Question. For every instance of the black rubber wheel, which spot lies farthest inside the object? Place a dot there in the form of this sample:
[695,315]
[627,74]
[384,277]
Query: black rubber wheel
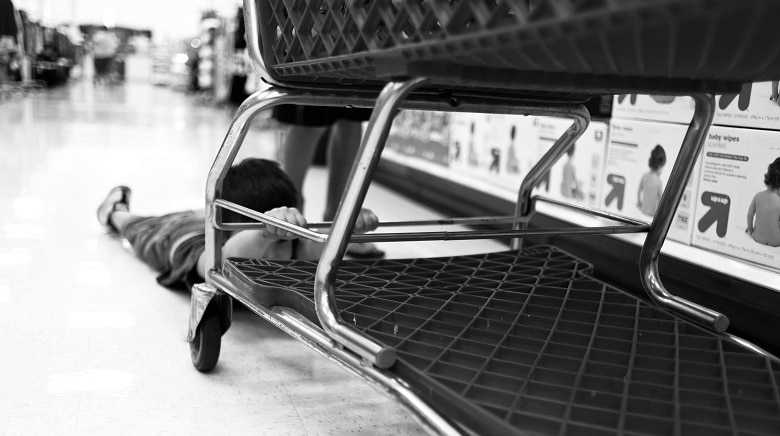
[204,349]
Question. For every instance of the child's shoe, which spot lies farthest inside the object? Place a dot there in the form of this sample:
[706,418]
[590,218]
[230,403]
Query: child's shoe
[118,198]
[364,250]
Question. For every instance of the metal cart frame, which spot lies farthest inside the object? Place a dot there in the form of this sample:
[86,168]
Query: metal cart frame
[340,341]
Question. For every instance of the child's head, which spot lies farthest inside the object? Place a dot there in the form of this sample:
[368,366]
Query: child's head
[772,176]
[657,158]
[258,184]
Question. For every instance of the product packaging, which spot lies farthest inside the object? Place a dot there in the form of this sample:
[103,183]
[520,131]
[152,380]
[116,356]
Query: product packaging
[755,106]
[640,157]
[489,147]
[421,134]
[734,165]
[577,176]
[668,109]
[752,107]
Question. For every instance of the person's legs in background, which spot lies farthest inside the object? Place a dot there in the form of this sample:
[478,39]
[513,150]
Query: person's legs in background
[343,146]
[298,152]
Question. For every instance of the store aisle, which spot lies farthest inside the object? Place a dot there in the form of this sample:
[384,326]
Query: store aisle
[91,344]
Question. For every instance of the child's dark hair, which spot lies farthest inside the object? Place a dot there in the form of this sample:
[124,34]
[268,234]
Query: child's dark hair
[657,158]
[772,176]
[258,184]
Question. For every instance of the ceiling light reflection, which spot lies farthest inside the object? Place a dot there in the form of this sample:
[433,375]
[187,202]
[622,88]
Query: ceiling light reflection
[23,231]
[15,258]
[93,276]
[28,207]
[91,320]
[90,380]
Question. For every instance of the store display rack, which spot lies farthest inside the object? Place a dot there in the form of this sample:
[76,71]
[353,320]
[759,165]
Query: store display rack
[522,342]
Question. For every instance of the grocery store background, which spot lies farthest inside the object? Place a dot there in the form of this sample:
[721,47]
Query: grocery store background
[169,20]
[94,346]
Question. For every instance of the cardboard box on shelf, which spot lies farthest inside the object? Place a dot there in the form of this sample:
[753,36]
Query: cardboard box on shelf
[731,186]
[752,107]
[421,134]
[670,109]
[466,139]
[755,106]
[640,157]
[488,147]
[577,176]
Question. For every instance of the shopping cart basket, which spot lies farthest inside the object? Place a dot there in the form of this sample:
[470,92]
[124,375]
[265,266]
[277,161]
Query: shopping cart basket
[524,341]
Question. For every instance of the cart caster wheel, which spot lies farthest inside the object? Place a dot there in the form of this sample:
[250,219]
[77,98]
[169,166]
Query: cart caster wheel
[204,348]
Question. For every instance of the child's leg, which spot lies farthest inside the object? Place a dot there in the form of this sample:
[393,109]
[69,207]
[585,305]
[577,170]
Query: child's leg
[120,219]
[118,199]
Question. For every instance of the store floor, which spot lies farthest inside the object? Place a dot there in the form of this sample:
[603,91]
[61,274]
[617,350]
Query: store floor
[91,345]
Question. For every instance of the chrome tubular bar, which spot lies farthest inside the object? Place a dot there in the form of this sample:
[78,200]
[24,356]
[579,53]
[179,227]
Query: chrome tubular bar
[232,227]
[487,234]
[253,40]
[467,221]
[633,226]
[306,332]
[344,221]
[589,211]
[523,208]
[267,99]
[326,224]
[651,250]
[267,219]
[387,105]
[237,131]
[254,104]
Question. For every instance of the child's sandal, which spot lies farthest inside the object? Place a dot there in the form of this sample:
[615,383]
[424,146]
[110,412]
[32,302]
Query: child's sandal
[118,198]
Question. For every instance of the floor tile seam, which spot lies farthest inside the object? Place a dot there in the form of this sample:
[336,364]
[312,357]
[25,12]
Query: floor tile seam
[284,387]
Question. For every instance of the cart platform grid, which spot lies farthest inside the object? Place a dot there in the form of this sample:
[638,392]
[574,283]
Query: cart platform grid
[530,342]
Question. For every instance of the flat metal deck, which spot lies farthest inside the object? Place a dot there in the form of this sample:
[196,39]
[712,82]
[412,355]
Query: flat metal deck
[530,344]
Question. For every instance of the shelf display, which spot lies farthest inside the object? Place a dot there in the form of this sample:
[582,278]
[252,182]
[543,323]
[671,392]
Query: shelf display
[756,106]
[497,149]
[421,134]
[640,156]
[619,167]
[577,176]
[668,109]
[738,208]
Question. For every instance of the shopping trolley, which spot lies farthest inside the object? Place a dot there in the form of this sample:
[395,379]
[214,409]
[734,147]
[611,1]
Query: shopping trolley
[522,341]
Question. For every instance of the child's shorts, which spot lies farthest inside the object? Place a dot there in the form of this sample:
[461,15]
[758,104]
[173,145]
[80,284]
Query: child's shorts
[318,116]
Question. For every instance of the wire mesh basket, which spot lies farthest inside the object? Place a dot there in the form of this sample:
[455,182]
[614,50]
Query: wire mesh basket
[592,46]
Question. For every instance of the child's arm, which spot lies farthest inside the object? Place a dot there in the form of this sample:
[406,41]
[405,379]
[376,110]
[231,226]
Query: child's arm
[311,250]
[253,244]
[288,214]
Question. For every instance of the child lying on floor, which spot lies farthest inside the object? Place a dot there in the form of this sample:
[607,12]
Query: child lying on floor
[174,244]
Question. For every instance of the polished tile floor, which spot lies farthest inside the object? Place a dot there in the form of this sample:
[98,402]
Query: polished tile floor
[91,345]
